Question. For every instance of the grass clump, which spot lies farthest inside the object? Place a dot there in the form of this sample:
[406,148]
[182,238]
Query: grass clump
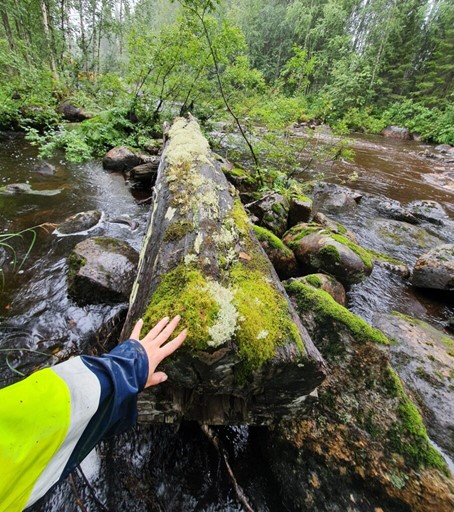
[328,310]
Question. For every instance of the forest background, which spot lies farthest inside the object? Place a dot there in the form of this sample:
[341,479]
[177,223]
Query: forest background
[354,64]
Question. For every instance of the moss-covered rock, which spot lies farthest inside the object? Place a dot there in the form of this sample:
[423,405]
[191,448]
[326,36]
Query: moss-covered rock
[318,249]
[423,356]
[327,284]
[365,434]
[272,212]
[300,209]
[280,255]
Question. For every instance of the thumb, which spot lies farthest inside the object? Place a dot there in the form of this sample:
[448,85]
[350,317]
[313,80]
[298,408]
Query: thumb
[157,378]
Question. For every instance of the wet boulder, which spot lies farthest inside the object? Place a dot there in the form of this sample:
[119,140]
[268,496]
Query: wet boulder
[396,132]
[145,173]
[364,447]
[435,269]
[327,284]
[101,270]
[272,212]
[300,210]
[445,149]
[429,211]
[424,359]
[241,179]
[80,222]
[392,209]
[394,233]
[120,159]
[331,198]
[319,250]
[333,226]
[72,113]
[282,258]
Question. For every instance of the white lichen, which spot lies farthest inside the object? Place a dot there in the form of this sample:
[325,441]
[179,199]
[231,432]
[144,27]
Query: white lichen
[226,321]
[190,258]
[198,242]
[187,144]
[170,213]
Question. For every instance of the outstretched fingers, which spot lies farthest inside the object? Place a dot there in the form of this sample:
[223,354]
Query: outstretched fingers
[170,347]
[135,335]
[165,334]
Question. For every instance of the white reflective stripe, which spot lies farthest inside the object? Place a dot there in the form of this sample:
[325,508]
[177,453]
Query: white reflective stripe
[85,392]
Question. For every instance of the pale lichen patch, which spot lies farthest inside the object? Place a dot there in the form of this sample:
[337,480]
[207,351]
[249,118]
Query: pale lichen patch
[186,144]
[198,243]
[226,321]
[170,213]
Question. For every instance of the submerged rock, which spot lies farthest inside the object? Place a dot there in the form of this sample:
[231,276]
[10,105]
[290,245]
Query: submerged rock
[82,221]
[120,159]
[398,234]
[424,359]
[364,447]
[44,169]
[392,209]
[318,249]
[25,188]
[272,212]
[280,255]
[435,269]
[101,270]
[396,132]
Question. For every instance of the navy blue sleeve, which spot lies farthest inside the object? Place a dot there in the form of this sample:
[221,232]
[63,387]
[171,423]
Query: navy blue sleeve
[122,373]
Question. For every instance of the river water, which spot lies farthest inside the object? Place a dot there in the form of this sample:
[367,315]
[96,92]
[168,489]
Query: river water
[157,468]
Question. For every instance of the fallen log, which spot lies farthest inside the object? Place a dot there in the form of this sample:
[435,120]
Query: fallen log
[247,358]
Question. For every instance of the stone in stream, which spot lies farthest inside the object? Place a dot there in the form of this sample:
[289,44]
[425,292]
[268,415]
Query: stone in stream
[120,159]
[145,172]
[392,209]
[331,198]
[318,249]
[44,169]
[364,446]
[271,211]
[25,188]
[429,211]
[82,221]
[327,284]
[435,269]
[396,132]
[101,270]
[280,255]
[424,359]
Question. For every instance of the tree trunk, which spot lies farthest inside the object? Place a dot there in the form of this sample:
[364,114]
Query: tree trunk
[45,13]
[247,357]
[9,33]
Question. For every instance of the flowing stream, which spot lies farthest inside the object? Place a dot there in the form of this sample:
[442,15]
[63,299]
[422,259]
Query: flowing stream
[158,468]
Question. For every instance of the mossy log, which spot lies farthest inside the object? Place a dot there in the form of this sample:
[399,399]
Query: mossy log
[247,358]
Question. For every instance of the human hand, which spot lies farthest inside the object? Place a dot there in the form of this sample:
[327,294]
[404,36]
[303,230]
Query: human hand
[153,343]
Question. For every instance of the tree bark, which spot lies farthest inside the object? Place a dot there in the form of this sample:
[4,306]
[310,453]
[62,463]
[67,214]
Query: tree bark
[249,361]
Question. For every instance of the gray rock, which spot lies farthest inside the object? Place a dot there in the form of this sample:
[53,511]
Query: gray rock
[300,210]
[272,212]
[424,359]
[120,159]
[82,221]
[25,188]
[444,149]
[44,169]
[435,269]
[429,211]
[101,270]
[396,233]
[331,198]
[392,209]
[396,132]
[145,172]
